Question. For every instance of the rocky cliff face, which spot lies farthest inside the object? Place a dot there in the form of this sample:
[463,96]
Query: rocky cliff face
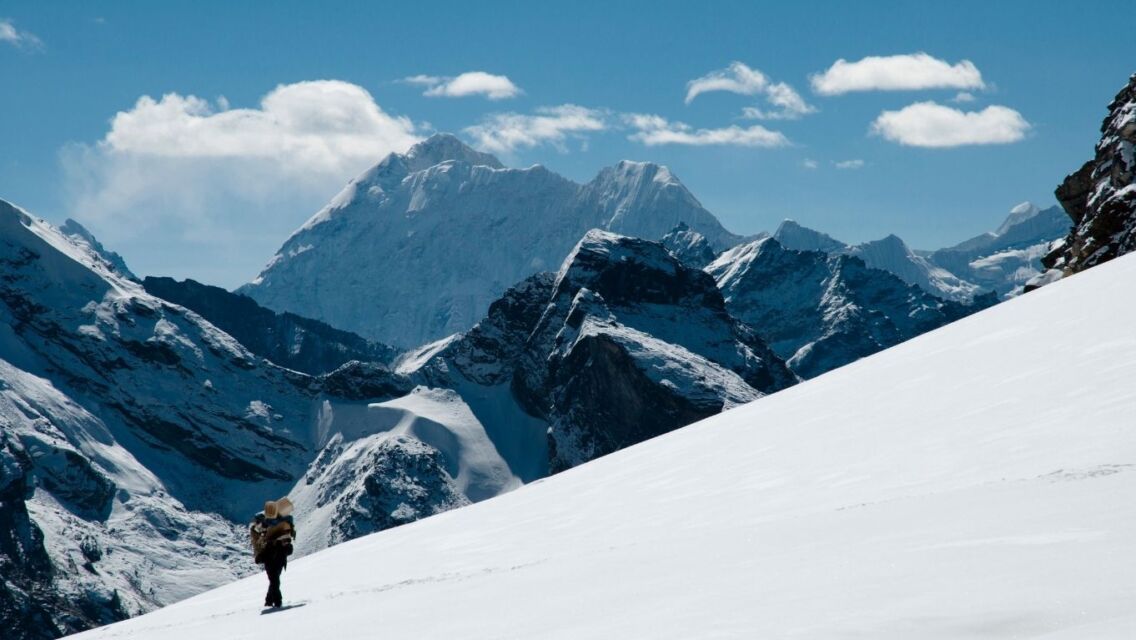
[1100,197]
[624,343]
[689,246]
[286,339]
[821,311]
[411,251]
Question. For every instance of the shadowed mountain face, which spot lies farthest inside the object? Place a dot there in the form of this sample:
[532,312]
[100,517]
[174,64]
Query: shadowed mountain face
[286,339]
[419,246]
[820,311]
[1100,197]
[624,343]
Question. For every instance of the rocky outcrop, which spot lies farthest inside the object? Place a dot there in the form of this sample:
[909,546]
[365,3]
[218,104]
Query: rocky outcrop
[286,339]
[820,311]
[624,343]
[689,246]
[377,483]
[1100,197]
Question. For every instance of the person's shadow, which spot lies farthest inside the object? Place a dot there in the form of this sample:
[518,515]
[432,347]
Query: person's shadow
[284,608]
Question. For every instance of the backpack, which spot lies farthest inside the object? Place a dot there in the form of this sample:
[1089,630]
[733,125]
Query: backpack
[258,538]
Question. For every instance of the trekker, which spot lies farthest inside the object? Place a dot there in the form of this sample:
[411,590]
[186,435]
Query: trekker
[272,533]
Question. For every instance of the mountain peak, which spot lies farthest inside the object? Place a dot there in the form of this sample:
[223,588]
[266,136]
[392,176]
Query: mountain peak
[442,147]
[1019,214]
[792,235]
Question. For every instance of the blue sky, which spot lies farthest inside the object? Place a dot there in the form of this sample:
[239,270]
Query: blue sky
[214,201]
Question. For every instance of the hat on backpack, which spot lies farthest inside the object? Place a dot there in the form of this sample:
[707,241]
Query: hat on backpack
[270,510]
[284,507]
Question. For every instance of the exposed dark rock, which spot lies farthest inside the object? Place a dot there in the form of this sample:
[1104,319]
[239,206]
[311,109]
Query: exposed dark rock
[1100,197]
[689,246]
[286,339]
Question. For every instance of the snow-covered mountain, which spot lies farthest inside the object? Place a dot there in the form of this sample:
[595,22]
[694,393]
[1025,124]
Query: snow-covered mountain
[286,339]
[890,254]
[1005,259]
[1100,197]
[1000,261]
[689,246]
[136,438]
[624,343]
[417,247]
[820,311]
[974,482]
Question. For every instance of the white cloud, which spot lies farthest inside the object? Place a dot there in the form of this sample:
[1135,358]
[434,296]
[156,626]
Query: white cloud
[896,73]
[810,164]
[850,164]
[927,124]
[653,130]
[210,175]
[743,80]
[19,39]
[470,83]
[507,132]
[963,96]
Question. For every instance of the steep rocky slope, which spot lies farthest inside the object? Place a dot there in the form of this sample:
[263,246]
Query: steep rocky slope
[1100,197]
[285,338]
[624,343]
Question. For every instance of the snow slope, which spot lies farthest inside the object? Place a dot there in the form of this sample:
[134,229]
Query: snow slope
[974,482]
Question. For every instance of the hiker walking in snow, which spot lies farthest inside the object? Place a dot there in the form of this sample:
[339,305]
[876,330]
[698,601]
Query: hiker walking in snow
[272,533]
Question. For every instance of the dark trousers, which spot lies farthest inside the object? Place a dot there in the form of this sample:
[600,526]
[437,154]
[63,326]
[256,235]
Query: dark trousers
[274,563]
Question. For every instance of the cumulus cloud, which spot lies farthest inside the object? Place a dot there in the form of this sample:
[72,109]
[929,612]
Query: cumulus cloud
[9,34]
[653,130]
[896,73]
[470,83]
[850,164]
[215,176]
[927,124]
[963,96]
[507,132]
[810,164]
[741,79]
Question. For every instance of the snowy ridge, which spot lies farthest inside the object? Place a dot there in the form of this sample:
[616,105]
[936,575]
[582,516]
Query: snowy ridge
[953,486]
[821,311]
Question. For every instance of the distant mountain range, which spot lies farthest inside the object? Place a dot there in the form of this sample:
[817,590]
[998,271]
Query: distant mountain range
[417,247]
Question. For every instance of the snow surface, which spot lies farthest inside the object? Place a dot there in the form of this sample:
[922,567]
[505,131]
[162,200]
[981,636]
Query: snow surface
[974,482]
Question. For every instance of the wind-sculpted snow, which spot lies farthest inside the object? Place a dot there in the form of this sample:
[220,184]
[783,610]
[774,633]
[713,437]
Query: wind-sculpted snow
[418,247]
[1100,197]
[820,311]
[974,482]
